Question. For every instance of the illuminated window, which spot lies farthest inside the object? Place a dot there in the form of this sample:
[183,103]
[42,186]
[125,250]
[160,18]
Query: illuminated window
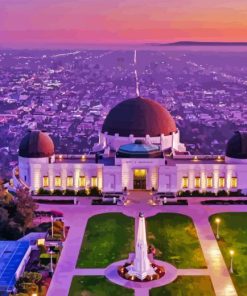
[209,182]
[70,181]
[45,181]
[234,182]
[197,182]
[58,182]
[82,181]
[185,182]
[221,182]
[94,182]
[140,173]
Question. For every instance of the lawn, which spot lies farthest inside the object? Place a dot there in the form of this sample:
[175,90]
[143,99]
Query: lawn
[186,286]
[108,238]
[175,239]
[233,235]
[96,286]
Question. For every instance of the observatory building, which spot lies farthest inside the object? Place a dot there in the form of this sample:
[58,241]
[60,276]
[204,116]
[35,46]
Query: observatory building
[139,148]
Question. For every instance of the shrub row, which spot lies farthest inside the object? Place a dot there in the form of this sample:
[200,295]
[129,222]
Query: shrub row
[224,202]
[92,191]
[197,193]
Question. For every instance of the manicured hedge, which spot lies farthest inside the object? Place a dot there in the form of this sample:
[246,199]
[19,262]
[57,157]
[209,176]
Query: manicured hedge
[92,191]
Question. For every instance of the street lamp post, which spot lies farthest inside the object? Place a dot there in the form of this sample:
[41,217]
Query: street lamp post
[52,229]
[51,263]
[231,265]
[217,221]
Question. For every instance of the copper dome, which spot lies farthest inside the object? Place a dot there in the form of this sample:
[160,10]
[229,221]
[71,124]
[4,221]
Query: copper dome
[36,144]
[237,146]
[139,117]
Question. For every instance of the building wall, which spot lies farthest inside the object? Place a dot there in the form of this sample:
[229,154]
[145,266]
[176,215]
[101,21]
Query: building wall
[160,176]
[112,179]
[65,170]
[214,171]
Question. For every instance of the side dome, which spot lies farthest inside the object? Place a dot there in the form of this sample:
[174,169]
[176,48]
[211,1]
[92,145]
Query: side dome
[36,144]
[237,146]
[139,117]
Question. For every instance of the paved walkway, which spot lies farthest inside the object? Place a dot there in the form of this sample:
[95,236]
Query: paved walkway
[76,217]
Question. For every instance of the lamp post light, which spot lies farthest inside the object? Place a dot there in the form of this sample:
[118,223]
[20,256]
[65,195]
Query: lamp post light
[217,221]
[52,228]
[51,263]
[231,265]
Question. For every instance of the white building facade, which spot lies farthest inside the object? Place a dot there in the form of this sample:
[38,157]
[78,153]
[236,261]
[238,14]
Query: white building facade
[137,150]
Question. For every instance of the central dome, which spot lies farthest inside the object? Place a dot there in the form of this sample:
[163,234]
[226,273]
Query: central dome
[139,117]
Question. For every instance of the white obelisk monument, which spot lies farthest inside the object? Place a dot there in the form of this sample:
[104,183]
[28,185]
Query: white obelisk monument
[141,266]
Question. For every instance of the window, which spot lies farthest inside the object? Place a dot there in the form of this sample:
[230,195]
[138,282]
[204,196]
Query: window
[185,182]
[70,181]
[209,182]
[94,182]
[234,182]
[197,182]
[82,181]
[45,181]
[58,182]
[221,182]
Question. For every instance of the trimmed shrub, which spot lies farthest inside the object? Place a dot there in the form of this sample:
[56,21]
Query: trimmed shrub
[43,191]
[82,192]
[196,193]
[94,191]
[222,193]
[236,193]
[58,192]
[184,193]
[69,192]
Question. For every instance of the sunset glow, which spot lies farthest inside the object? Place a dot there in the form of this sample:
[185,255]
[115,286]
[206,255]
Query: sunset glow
[129,21]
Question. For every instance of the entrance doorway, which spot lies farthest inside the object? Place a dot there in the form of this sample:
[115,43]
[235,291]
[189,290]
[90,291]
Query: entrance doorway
[140,179]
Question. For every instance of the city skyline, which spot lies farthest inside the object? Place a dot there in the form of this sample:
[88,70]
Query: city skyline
[43,23]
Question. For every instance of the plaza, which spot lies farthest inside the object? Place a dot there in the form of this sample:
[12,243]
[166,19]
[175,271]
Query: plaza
[212,269]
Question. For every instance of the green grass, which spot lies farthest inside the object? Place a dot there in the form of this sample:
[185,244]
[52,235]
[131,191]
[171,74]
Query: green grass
[233,235]
[108,238]
[96,286]
[175,239]
[186,286]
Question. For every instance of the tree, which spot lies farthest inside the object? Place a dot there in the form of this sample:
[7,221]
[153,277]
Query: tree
[4,215]
[25,208]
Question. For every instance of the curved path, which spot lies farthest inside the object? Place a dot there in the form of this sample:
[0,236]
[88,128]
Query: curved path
[76,216]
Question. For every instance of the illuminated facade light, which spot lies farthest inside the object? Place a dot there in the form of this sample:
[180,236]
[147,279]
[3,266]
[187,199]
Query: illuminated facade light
[82,181]
[45,181]
[209,182]
[219,158]
[94,181]
[58,181]
[185,182]
[197,182]
[70,181]
[234,182]
[222,182]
